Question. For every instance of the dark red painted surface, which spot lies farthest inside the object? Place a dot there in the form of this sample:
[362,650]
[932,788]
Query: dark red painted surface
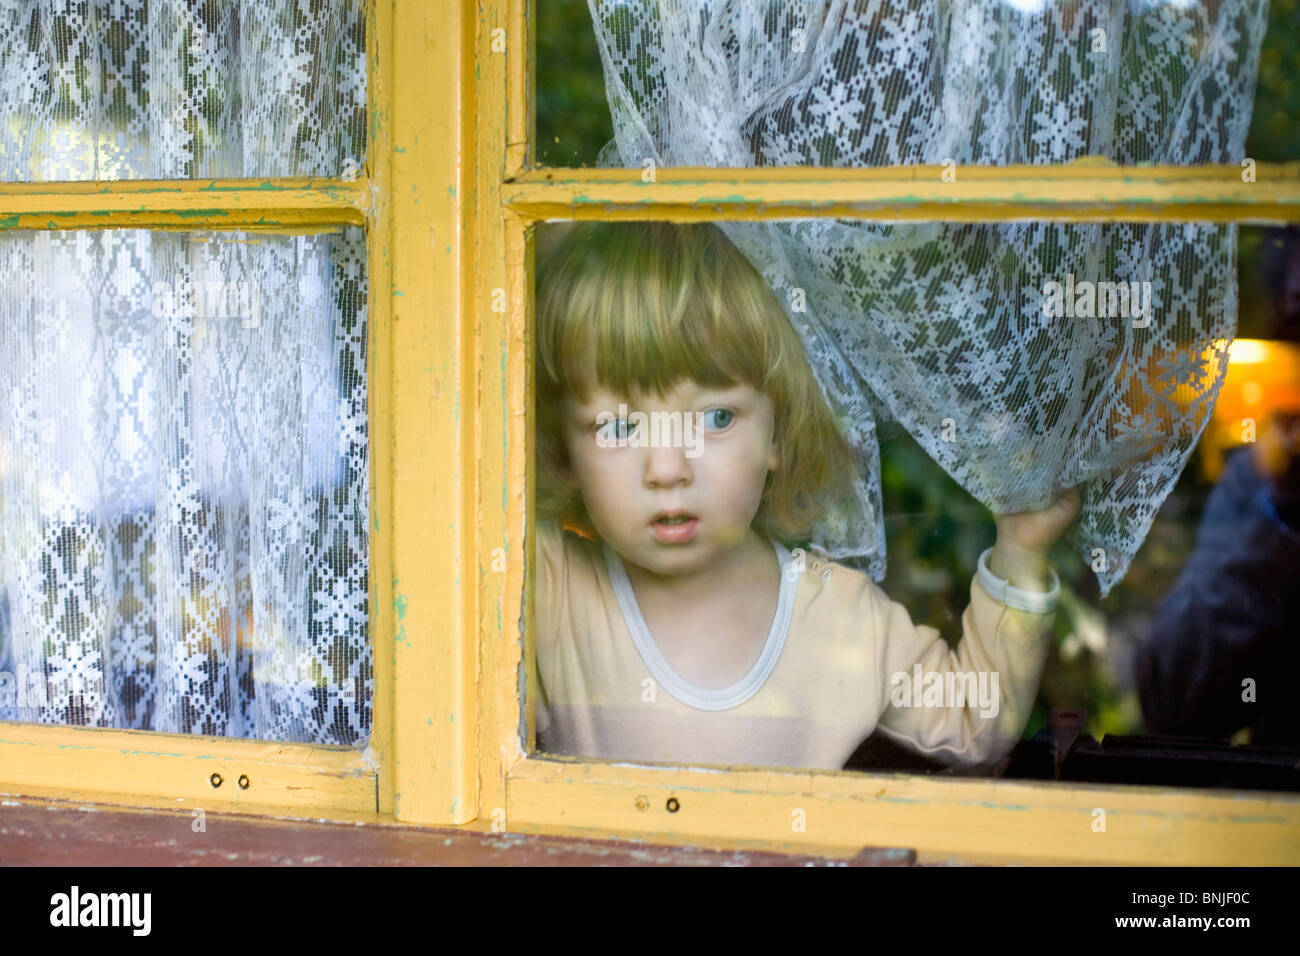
[41,833]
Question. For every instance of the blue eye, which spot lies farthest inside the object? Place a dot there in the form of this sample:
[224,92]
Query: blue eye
[718,418]
[614,430]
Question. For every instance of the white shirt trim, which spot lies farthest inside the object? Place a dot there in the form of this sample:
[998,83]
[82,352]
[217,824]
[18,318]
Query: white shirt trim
[1035,602]
[704,698]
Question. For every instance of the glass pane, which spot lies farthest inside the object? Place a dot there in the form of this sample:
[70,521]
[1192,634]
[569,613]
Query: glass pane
[181,89]
[185,485]
[903,82]
[946,373]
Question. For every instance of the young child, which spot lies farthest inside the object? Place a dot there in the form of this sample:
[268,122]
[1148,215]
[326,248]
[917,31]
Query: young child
[682,442]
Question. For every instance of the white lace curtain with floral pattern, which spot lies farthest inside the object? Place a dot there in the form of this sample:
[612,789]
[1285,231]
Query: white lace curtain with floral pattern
[960,332]
[184,490]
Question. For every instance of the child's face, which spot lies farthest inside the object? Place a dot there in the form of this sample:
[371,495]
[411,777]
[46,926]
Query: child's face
[715,475]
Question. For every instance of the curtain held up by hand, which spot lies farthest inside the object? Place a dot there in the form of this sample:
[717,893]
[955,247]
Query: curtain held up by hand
[1006,350]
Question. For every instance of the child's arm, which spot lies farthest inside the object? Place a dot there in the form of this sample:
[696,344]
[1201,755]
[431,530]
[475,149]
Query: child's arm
[974,708]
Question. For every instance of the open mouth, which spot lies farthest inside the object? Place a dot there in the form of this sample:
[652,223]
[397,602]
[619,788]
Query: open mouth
[675,527]
[674,518]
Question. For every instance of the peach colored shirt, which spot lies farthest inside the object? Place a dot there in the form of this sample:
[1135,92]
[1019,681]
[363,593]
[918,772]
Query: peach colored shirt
[823,683]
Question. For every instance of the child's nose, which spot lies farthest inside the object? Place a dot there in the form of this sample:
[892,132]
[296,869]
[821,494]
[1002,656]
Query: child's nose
[667,466]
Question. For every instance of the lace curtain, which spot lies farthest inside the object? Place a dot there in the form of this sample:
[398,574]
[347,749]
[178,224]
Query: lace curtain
[184,488]
[963,333]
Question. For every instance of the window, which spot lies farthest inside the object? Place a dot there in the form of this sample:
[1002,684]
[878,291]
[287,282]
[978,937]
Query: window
[451,202]
[1085,192]
[298,102]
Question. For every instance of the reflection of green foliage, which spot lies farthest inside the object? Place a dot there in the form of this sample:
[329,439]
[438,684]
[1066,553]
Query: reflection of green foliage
[935,532]
[1275,127]
[1262,254]
[572,113]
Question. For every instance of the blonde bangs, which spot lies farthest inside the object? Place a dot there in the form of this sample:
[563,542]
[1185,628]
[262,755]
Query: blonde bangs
[700,313]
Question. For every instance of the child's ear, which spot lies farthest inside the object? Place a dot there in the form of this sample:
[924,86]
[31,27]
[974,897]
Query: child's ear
[774,457]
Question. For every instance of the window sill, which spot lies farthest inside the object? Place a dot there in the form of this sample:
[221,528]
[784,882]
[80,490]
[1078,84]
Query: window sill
[44,832]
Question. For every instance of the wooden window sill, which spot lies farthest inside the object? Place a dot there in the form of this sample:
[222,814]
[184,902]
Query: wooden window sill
[41,832]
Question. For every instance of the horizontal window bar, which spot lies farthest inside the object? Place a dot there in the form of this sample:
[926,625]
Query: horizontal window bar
[210,770]
[271,204]
[1090,190]
[942,818]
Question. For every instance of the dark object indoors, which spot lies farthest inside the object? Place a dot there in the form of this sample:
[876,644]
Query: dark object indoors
[1062,750]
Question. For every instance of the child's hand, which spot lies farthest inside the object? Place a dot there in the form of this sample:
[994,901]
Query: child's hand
[1024,538]
[1038,530]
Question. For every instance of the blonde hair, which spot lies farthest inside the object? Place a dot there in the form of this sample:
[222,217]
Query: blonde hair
[639,307]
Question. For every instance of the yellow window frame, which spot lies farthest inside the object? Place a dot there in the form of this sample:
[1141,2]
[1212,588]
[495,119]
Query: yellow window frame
[448,201]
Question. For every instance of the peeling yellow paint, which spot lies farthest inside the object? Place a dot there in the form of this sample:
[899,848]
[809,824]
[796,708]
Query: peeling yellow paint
[179,766]
[1078,192]
[291,203]
[424,423]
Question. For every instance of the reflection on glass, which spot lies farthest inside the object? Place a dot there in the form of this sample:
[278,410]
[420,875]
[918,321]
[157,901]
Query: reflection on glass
[183,456]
